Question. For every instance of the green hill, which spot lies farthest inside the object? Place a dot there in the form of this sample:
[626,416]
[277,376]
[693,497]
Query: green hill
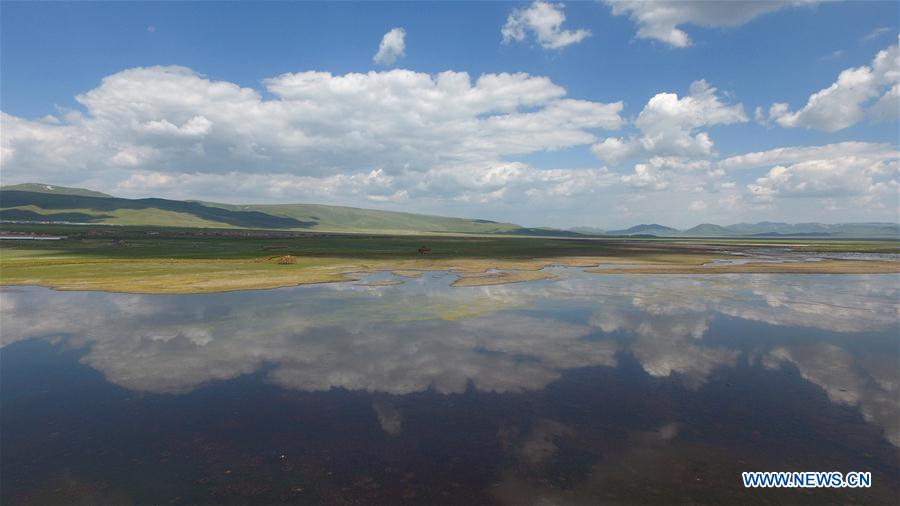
[53,189]
[34,202]
[708,230]
[352,219]
[651,229]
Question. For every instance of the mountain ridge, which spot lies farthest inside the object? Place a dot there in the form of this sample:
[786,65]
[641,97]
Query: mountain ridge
[763,229]
[50,203]
[39,202]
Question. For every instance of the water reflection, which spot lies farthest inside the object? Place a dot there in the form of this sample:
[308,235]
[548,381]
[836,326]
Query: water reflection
[867,381]
[588,389]
[423,335]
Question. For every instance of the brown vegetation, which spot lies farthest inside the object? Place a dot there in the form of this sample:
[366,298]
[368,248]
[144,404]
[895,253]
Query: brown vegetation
[287,260]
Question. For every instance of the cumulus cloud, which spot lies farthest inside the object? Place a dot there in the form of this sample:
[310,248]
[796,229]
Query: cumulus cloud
[441,143]
[886,108]
[392,47]
[512,183]
[661,172]
[841,170]
[544,21]
[166,124]
[170,118]
[868,91]
[669,124]
[834,177]
[660,20]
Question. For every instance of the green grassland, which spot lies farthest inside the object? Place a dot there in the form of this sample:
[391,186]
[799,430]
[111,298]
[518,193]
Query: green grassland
[351,219]
[191,260]
[23,204]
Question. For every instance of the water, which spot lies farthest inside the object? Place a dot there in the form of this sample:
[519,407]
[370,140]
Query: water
[589,389]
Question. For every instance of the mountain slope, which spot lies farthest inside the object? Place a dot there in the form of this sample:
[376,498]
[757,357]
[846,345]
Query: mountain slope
[340,218]
[53,189]
[644,229]
[707,230]
[73,205]
[112,210]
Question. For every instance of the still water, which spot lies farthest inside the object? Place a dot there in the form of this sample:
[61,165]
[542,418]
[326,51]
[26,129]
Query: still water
[589,389]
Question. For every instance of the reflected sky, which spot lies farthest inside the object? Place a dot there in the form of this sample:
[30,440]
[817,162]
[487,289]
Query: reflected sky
[838,333]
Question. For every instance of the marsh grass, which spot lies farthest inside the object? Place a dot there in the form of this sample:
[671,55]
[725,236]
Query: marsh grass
[144,260]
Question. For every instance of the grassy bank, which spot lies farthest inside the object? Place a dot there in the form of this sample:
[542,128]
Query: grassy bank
[135,259]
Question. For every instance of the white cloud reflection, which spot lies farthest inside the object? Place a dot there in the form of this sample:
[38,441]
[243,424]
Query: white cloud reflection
[422,336]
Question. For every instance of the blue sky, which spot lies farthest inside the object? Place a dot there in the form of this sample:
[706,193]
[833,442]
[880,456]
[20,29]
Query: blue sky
[53,52]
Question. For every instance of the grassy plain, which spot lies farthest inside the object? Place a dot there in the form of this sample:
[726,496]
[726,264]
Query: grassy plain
[145,260]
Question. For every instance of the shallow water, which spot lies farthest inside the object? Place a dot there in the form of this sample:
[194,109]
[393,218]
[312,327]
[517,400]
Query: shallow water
[588,389]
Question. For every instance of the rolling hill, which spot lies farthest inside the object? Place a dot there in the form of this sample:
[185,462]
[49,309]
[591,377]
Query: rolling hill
[53,189]
[42,203]
[651,229]
[36,202]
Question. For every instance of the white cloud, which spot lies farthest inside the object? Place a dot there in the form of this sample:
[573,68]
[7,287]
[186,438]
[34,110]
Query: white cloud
[436,143]
[392,46]
[512,183]
[170,119]
[866,172]
[668,126]
[841,182]
[544,20]
[660,172]
[834,55]
[875,33]
[848,100]
[697,205]
[796,154]
[832,177]
[887,107]
[660,20]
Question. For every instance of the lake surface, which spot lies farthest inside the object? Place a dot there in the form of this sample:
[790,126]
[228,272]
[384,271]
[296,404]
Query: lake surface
[589,389]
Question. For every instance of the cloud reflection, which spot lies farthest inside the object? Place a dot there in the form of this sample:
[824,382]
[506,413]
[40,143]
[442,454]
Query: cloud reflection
[513,338]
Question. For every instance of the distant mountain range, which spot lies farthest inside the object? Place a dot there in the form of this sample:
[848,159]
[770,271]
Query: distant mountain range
[761,229]
[38,202]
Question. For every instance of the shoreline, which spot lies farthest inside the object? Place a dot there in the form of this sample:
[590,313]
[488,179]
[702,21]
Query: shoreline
[216,276]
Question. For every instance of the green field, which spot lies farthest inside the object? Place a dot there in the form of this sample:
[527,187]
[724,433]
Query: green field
[171,246]
[187,260]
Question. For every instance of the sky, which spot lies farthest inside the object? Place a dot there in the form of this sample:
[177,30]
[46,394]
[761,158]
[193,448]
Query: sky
[592,114]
